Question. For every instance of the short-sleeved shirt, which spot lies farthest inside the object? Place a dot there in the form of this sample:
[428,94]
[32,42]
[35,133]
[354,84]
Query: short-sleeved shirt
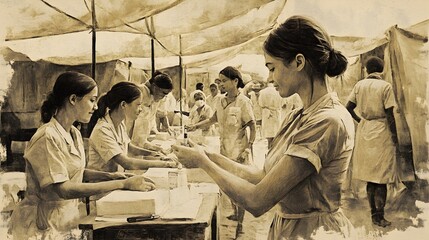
[232,119]
[53,156]
[323,135]
[105,143]
[196,117]
[372,96]
[146,119]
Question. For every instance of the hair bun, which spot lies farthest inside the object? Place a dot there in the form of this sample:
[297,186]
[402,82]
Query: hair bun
[337,63]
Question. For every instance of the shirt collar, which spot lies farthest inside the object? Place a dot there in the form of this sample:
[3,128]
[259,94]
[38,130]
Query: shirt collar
[62,131]
[323,101]
[375,75]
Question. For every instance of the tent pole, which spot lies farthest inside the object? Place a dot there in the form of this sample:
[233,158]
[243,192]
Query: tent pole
[94,38]
[180,79]
[152,55]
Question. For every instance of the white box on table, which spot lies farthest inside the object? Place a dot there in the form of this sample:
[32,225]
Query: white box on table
[121,202]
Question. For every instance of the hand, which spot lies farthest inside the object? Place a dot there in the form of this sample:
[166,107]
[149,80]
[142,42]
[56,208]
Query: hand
[190,157]
[244,156]
[120,175]
[138,183]
[190,128]
[171,132]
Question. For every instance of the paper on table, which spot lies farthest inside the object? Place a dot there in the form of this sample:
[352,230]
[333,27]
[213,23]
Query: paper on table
[185,210]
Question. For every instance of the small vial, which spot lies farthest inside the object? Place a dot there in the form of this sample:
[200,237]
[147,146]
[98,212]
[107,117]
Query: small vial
[185,138]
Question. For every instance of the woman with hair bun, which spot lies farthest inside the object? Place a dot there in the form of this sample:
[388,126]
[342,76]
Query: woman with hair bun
[55,165]
[109,142]
[310,154]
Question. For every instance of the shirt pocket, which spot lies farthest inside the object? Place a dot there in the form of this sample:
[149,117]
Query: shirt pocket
[233,117]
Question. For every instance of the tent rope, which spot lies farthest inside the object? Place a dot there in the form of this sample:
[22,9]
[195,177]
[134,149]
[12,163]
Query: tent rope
[62,12]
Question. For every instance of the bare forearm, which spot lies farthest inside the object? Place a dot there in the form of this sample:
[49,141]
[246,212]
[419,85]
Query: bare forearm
[252,136]
[131,163]
[247,172]
[204,124]
[90,175]
[69,190]
[138,151]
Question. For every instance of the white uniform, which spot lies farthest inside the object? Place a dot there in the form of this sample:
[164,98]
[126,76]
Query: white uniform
[145,122]
[105,143]
[52,156]
[374,154]
[232,118]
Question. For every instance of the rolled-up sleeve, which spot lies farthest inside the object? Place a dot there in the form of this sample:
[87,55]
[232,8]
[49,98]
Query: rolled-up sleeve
[48,160]
[319,140]
[103,141]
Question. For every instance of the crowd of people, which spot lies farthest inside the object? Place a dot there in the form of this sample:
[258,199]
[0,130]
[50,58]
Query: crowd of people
[310,140]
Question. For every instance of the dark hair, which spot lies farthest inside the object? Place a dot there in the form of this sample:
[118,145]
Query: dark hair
[374,64]
[199,86]
[233,73]
[122,91]
[162,80]
[67,84]
[302,35]
[213,85]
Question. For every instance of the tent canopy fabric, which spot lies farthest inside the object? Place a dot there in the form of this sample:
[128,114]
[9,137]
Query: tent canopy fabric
[59,30]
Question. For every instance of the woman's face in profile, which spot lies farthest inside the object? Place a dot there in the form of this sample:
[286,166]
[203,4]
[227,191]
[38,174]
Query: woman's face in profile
[86,105]
[133,109]
[284,77]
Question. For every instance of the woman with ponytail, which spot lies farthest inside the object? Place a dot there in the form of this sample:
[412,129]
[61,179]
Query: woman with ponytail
[55,165]
[109,143]
[309,156]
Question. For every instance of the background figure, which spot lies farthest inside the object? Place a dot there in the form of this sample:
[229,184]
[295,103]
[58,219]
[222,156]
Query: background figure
[165,108]
[200,112]
[198,87]
[152,92]
[181,109]
[308,160]
[214,96]
[271,104]
[374,157]
[234,114]
[257,110]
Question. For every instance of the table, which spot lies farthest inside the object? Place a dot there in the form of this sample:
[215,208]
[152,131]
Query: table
[205,226]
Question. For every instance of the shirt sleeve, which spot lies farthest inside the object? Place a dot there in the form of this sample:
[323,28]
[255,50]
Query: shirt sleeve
[319,140]
[388,97]
[247,112]
[48,160]
[103,141]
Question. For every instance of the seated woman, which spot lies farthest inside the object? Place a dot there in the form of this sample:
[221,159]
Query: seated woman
[55,165]
[200,112]
[109,143]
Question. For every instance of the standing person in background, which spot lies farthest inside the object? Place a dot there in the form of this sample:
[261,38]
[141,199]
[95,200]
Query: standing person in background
[257,110]
[200,112]
[55,165]
[109,143]
[152,92]
[234,114]
[374,157]
[308,160]
[165,108]
[214,96]
[271,104]
[198,87]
